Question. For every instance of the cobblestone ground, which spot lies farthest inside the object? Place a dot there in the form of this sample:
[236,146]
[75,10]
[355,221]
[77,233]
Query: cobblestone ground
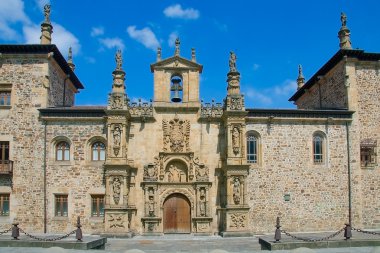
[186,243]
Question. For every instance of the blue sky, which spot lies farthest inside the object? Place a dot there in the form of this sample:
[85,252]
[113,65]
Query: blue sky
[270,39]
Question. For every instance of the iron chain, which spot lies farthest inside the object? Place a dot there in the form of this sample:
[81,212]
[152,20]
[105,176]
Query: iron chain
[48,239]
[366,232]
[313,240]
[6,231]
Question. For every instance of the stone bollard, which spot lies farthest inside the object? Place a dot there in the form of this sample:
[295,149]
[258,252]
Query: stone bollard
[15,231]
[347,231]
[277,233]
[78,233]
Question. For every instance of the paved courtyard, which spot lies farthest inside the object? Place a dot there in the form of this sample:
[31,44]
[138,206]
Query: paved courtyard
[187,243]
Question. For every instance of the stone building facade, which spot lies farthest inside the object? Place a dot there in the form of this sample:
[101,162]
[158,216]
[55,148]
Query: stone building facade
[207,168]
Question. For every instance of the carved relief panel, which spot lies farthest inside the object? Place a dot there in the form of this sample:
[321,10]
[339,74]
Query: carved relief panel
[176,135]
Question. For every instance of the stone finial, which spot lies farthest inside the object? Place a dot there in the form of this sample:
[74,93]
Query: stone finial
[47,13]
[193,58]
[301,78]
[344,33]
[177,43]
[159,54]
[70,59]
[232,62]
[46,27]
[119,60]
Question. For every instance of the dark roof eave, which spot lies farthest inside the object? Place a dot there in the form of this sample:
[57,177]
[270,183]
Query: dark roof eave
[43,49]
[352,53]
[298,113]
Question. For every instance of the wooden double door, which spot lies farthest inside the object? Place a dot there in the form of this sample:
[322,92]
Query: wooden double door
[177,214]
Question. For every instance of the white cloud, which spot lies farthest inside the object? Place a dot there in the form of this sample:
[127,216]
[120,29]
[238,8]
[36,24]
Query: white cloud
[61,37]
[42,3]
[176,11]
[112,43]
[145,36]
[11,12]
[97,31]
[286,88]
[172,37]
[258,96]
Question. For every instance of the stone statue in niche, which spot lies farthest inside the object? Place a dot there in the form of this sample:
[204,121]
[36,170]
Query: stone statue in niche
[235,140]
[151,206]
[116,187]
[116,139]
[236,191]
[174,174]
[202,202]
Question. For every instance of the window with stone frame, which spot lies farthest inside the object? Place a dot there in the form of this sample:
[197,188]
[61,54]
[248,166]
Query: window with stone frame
[97,205]
[252,148]
[62,151]
[4,156]
[368,152]
[61,205]
[98,151]
[318,149]
[4,204]
[5,95]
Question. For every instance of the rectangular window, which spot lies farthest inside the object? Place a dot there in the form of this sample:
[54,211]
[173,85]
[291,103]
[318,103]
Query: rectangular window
[368,152]
[97,206]
[4,157]
[4,204]
[251,149]
[5,98]
[61,206]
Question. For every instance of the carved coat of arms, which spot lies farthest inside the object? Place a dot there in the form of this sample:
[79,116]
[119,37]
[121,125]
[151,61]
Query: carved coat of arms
[176,135]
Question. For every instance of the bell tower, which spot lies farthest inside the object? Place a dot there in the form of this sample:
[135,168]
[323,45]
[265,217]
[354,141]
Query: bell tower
[176,80]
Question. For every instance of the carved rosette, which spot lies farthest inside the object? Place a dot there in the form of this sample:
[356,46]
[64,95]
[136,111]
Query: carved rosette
[176,135]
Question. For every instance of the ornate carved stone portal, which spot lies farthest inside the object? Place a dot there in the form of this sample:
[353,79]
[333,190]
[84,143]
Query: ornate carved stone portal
[176,170]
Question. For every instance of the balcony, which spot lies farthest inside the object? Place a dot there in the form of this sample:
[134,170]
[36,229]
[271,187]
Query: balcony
[6,167]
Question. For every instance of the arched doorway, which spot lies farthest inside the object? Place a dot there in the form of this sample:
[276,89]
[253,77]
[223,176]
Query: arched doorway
[177,214]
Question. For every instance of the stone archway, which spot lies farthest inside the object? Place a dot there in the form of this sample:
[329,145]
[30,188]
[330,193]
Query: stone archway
[177,214]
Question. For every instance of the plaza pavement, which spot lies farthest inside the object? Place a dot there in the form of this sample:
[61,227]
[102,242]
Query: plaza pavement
[184,244]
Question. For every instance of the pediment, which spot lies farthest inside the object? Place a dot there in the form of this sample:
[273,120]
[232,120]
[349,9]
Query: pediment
[176,62]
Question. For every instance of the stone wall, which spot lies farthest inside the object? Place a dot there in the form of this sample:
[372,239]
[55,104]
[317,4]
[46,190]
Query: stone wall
[327,93]
[58,80]
[318,192]
[78,178]
[368,83]
[21,127]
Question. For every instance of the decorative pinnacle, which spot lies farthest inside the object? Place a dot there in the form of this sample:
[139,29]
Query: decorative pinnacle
[119,60]
[344,33]
[301,78]
[193,58]
[47,13]
[177,43]
[159,54]
[232,62]
[70,59]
